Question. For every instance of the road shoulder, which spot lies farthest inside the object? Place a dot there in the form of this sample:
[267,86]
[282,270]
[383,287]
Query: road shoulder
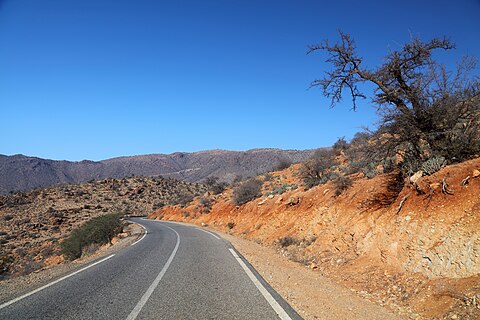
[312,295]
[16,286]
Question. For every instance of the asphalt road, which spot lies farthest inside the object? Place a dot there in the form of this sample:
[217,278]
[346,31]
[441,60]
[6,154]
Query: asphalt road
[174,272]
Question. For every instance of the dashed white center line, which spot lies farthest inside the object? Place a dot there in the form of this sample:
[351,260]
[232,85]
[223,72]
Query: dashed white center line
[133,315]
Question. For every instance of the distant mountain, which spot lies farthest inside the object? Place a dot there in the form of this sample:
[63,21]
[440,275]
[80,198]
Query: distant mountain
[20,173]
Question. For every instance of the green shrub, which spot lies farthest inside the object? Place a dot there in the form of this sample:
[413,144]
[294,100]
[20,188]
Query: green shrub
[282,189]
[99,230]
[432,165]
[247,191]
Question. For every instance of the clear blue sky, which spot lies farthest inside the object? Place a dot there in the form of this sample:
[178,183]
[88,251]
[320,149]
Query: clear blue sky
[94,79]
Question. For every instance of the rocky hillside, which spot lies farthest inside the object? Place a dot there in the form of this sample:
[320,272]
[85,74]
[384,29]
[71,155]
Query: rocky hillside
[22,173]
[414,249]
[33,223]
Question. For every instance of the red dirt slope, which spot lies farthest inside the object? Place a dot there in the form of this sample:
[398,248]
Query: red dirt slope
[420,253]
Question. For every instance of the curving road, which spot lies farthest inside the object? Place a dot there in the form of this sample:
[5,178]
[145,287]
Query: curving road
[174,272]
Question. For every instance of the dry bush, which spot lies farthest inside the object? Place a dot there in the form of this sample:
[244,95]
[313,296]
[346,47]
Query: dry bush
[342,183]
[318,169]
[247,191]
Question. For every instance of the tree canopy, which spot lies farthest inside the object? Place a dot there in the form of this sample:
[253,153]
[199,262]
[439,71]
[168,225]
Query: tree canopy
[425,110]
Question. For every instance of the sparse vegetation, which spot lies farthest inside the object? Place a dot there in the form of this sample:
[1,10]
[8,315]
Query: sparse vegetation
[340,146]
[282,189]
[182,199]
[342,183]
[287,241]
[319,169]
[98,231]
[247,191]
[230,225]
[432,165]
[206,204]
[282,165]
[214,185]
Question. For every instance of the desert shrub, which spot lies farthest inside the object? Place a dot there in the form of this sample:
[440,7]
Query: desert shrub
[267,177]
[317,170]
[99,230]
[388,165]
[5,263]
[182,199]
[157,205]
[219,187]
[342,183]
[287,241]
[341,145]
[247,191]
[186,214]
[206,204]
[370,170]
[282,189]
[230,225]
[282,165]
[432,165]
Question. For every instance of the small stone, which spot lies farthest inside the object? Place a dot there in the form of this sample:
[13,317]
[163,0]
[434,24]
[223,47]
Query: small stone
[408,218]
[414,179]
[293,201]
[476,173]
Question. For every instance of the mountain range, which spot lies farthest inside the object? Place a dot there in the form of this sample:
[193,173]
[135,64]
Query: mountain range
[22,173]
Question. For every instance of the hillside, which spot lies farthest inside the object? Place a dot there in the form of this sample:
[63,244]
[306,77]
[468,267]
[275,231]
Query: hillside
[33,223]
[417,254]
[22,173]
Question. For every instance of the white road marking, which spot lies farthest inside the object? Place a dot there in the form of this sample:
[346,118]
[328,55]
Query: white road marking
[133,315]
[273,303]
[6,304]
[210,233]
[144,234]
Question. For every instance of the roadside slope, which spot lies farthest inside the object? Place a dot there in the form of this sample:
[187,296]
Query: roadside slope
[418,254]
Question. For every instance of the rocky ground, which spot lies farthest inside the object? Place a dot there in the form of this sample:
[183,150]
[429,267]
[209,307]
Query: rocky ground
[415,251]
[32,224]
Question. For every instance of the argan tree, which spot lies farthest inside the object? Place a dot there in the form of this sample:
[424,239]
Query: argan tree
[426,111]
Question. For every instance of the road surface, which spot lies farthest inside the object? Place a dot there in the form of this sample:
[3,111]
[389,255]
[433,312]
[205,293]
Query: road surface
[174,272]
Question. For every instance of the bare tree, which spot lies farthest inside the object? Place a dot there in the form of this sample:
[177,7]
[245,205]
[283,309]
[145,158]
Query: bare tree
[424,108]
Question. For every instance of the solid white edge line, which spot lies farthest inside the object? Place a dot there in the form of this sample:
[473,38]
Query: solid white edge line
[210,233]
[6,304]
[273,303]
[143,300]
[144,234]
